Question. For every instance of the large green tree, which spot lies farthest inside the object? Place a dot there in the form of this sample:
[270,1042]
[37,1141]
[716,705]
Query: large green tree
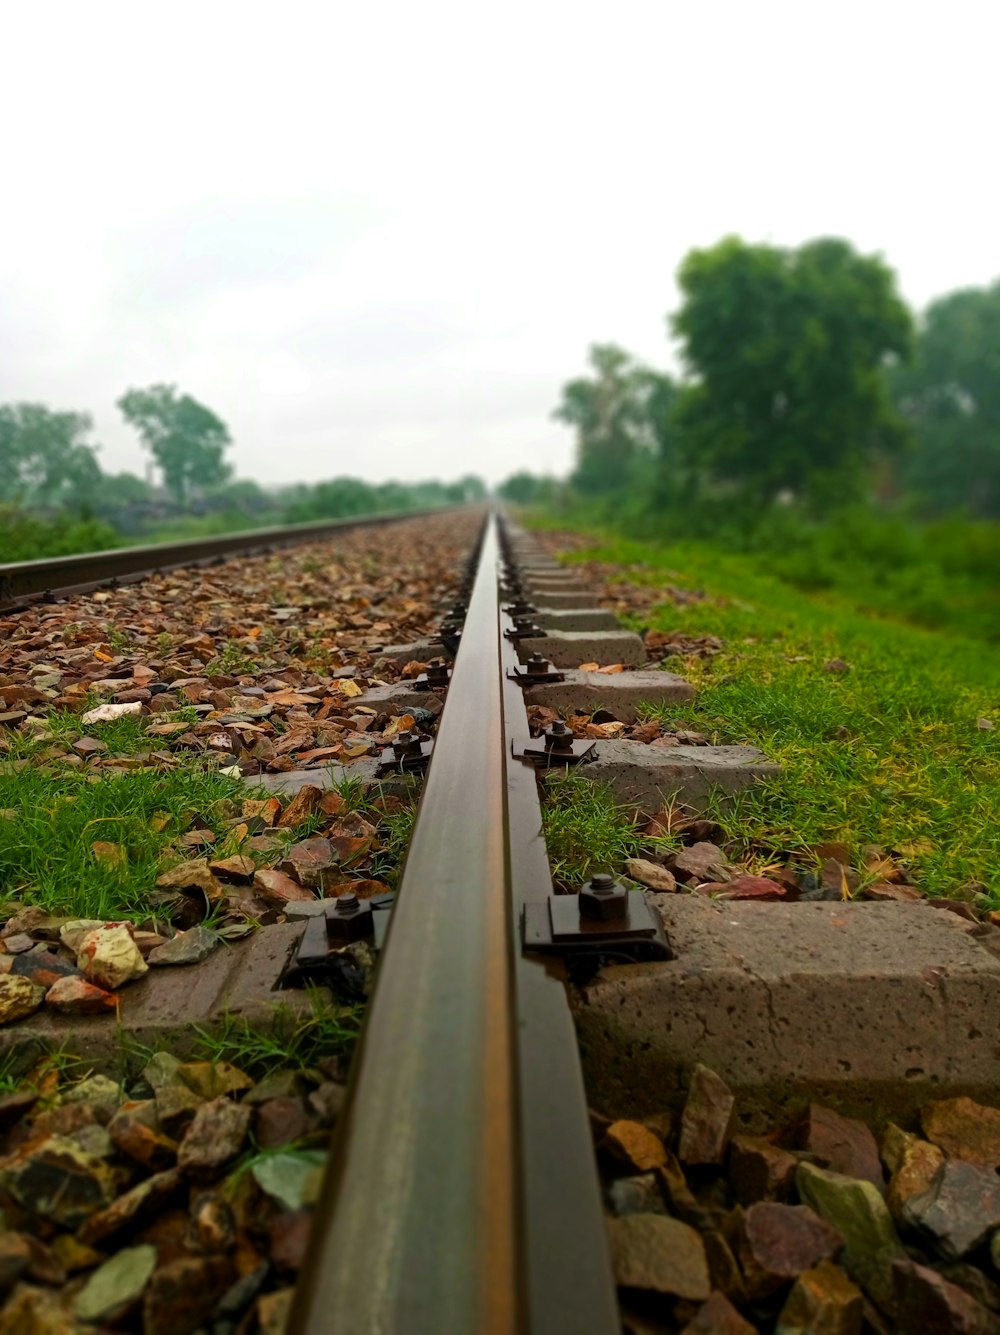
[45,460]
[186,439]
[788,351]
[620,415]
[951,395]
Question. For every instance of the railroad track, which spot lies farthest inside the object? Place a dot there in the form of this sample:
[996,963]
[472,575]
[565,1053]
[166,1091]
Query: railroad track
[463,1193]
[462,1190]
[26,583]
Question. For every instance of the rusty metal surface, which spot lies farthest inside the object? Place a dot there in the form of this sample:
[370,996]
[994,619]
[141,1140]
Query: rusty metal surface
[418,1228]
[22,582]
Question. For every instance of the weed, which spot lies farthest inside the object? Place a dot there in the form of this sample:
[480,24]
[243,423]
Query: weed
[586,832]
[295,1041]
[233,661]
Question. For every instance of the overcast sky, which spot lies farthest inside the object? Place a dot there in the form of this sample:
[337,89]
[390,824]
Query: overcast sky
[376,238]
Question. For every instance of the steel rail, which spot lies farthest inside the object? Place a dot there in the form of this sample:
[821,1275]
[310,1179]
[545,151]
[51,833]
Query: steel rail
[417,1223]
[25,582]
[570,1285]
[461,1195]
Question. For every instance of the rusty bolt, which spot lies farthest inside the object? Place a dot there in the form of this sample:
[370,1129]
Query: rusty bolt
[406,744]
[558,736]
[437,672]
[538,663]
[603,898]
[525,626]
[348,919]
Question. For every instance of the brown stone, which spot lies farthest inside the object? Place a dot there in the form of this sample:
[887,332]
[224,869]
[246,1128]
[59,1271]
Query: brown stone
[237,869]
[15,1256]
[652,1251]
[960,1208]
[274,1311]
[280,1122]
[210,1079]
[275,887]
[32,1311]
[16,1105]
[176,1106]
[760,1171]
[885,891]
[701,862]
[214,1223]
[650,874]
[678,1193]
[214,1138]
[706,1119]
[723,1267]
[718,1317]
[754,887]
[63,1120]
[311,862]
[634,1144]
[778,1242]
[301,807]
[135,1131]
[963,1129]
[842,1144]
[58,1181]
[191,875]
[823,1301]
[928,1303]
[289,1238]
[142,1202]
[75,996]
[327,1100]
[18,997]
[182,1294]
[267,810]
[918,1164]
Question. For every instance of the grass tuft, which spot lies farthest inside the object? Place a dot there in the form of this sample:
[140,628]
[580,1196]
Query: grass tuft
[586,832]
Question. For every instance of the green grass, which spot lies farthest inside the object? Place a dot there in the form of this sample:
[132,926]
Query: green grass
[887,753]
[51,818]
[296,1041]
[585,832]
[123,736]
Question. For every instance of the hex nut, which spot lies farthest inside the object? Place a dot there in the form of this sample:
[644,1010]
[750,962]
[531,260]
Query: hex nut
[603,899]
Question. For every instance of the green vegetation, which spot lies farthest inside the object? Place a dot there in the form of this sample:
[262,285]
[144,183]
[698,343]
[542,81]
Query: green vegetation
[29,537]
[817,427]
[58,501]
[585,832]
[889,752]
[296,1040]
[185,438]
[51,818]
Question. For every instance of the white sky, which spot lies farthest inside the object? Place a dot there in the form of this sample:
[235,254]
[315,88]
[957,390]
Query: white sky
[377,238]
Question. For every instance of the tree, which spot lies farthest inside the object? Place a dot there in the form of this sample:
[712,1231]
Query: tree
[788,350]
[186,439]
[951,396]
[44,459]
[618,414]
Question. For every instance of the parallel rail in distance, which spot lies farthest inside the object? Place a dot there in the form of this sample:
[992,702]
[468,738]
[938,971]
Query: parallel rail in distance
[23,583]
[461,1194]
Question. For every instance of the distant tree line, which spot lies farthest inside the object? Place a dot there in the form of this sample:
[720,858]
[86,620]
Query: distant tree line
[56,499]
[807,384]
